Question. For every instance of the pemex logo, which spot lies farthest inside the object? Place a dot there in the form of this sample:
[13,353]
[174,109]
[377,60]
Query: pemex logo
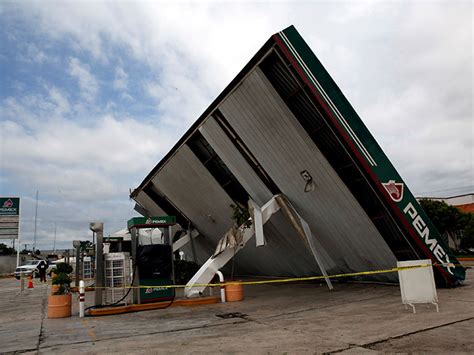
[8,203]
[394,189]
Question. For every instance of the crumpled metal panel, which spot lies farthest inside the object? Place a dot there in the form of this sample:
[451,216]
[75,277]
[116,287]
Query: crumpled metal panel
[275,137]
[235,162]
[149,205]
[189,186]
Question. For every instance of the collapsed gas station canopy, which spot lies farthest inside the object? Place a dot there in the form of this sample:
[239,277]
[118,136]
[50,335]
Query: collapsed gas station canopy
[282,126]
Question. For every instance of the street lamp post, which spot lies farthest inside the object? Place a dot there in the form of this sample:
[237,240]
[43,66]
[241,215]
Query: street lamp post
[98,229]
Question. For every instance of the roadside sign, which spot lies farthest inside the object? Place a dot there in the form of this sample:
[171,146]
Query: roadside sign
[9,217]
[417,285]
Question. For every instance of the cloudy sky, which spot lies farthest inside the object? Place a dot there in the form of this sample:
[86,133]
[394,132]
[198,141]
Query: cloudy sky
[92,95]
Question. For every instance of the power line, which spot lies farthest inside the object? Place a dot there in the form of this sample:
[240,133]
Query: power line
[445,190]
[62,220]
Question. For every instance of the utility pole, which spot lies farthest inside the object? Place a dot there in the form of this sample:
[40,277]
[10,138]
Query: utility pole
[54,243]
[36,221]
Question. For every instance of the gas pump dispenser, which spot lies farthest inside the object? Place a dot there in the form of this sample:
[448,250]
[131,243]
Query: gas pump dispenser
[153,260]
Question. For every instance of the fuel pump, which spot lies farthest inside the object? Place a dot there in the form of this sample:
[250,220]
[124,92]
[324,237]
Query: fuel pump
[152,258]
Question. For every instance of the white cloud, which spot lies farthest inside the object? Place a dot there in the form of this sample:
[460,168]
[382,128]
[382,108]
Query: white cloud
[99,160]
[87,82]
[61,102]
[70,218]
[406,68]
[121,79]
[83,171]
[36,54]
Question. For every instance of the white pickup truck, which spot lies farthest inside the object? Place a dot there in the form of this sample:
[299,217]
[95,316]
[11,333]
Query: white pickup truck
[31,268]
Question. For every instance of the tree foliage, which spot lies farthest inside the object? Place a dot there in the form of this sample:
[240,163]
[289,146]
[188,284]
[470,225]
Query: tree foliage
[449,220]
[467,241]
[5,249]
[86,245]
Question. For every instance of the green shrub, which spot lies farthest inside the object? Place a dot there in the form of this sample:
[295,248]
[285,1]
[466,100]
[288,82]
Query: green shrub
[64,281]
[63,268]
[62,278]
[241,216]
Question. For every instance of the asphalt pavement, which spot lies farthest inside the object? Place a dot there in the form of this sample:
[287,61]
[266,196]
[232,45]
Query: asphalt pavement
[295,318]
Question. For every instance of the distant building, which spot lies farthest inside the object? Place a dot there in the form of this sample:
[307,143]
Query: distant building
[464,202]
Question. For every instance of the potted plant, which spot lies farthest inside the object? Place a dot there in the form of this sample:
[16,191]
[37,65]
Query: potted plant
[59,302]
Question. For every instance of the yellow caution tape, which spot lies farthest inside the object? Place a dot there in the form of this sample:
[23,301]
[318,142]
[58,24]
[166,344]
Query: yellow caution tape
[292,279]
[274,281]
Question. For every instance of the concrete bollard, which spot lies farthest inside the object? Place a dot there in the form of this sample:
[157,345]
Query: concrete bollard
[221,280]
[82,298]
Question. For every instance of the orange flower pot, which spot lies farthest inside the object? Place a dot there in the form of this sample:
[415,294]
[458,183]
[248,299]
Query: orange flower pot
[59,306]
[234,292]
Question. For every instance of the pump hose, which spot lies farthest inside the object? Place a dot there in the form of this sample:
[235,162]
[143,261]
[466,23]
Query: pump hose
[118,304]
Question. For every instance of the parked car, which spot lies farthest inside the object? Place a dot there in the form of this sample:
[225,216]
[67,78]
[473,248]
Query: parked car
[31,268]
